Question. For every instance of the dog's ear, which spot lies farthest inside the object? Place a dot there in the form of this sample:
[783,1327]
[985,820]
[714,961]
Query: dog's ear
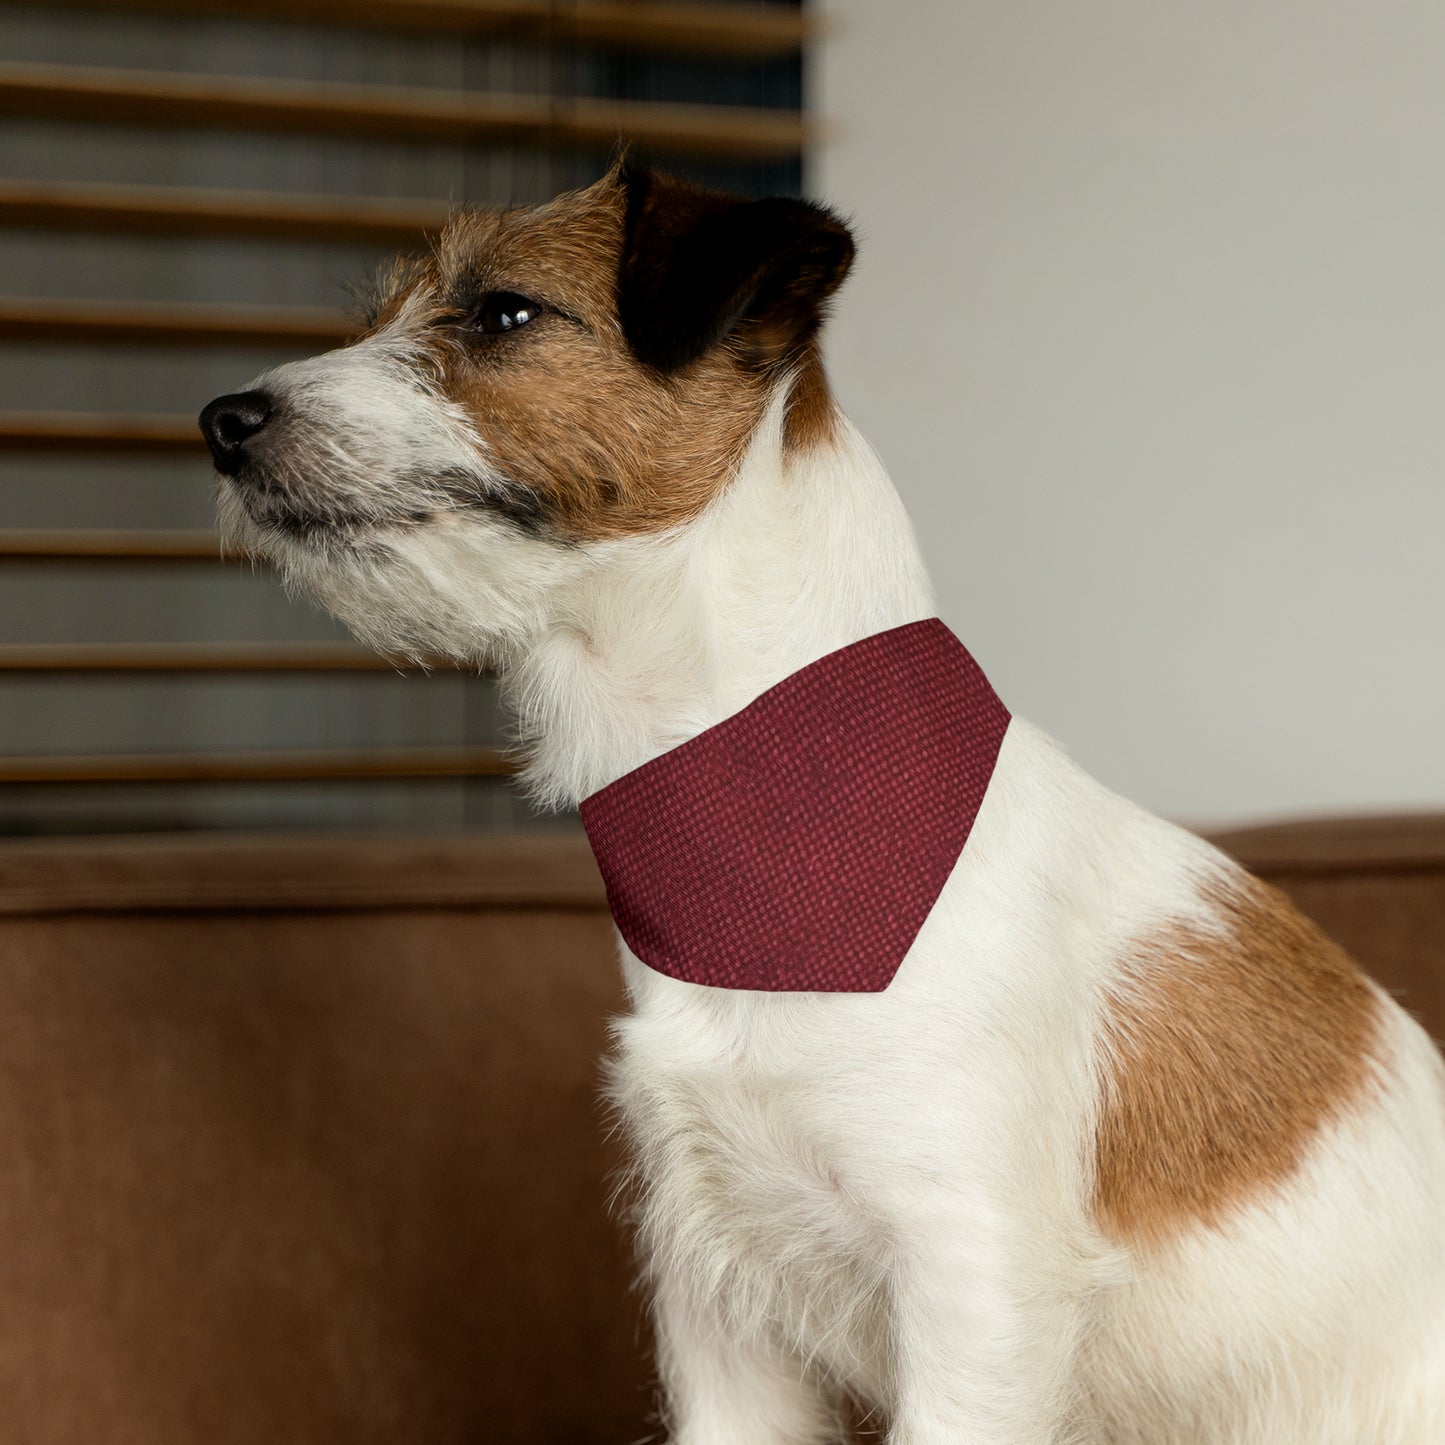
[699,266]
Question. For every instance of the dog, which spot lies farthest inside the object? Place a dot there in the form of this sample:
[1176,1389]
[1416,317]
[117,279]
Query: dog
[1125,1152]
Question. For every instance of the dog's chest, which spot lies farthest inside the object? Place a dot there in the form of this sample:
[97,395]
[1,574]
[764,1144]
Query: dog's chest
[743,1184]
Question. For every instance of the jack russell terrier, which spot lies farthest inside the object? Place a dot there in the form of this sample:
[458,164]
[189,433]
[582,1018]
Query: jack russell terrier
[957,1085]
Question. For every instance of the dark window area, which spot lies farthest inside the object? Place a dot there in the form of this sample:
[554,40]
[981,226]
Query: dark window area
[163,239]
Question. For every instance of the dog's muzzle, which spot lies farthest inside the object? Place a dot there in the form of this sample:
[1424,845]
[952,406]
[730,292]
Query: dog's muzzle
[230,422]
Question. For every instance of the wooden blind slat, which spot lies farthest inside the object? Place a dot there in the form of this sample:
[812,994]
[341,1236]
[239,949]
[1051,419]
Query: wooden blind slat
[77,431]
[216,102]
[756,32]
[259,767]
[170,323]
[112,97]
[709,29]
[174,210]
[76,544]
[166,657]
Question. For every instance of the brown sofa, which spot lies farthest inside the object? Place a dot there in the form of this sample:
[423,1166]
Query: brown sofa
[301,1140]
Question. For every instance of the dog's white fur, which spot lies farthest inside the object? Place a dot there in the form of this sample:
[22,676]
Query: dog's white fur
[892,1193]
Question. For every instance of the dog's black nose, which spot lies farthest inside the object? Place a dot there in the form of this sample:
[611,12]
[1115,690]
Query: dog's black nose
[229,422]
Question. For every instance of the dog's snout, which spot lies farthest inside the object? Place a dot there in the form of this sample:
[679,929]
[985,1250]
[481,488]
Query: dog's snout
[229,422]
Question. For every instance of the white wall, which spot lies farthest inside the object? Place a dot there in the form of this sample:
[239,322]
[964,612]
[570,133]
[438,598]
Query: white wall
[1149,323]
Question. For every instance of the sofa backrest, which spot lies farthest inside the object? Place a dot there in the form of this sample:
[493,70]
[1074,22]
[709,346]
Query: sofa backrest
[302,1139]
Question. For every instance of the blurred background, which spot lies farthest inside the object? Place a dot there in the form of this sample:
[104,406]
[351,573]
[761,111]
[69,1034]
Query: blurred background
[1147,323]
[187,191]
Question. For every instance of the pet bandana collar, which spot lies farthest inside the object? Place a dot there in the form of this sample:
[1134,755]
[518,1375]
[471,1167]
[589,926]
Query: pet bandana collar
[799,844]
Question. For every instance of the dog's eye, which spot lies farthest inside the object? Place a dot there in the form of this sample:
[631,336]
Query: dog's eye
[504,311]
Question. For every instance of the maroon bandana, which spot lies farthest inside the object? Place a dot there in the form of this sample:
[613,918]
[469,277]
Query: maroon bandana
[800,843]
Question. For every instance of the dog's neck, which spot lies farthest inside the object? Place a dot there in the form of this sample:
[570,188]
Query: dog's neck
[803,554]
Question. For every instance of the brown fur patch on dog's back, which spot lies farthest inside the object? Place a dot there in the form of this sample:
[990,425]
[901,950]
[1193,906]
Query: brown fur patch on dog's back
[1226,1053]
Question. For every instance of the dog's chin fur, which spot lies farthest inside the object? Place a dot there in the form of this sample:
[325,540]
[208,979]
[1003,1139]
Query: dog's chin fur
[1127,1153]
[451,585]
[610,652]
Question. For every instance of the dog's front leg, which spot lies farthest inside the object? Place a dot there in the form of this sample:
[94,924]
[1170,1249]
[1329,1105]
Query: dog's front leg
[984,1348]
[722,1387]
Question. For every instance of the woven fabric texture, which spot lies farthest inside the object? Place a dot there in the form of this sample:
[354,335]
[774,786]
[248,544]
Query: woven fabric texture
[800,844]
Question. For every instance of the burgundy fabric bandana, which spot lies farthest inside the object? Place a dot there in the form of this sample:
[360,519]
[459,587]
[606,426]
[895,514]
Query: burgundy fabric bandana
[800,843]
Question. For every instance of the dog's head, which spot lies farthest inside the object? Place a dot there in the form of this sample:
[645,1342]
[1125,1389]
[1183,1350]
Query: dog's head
[547,384]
